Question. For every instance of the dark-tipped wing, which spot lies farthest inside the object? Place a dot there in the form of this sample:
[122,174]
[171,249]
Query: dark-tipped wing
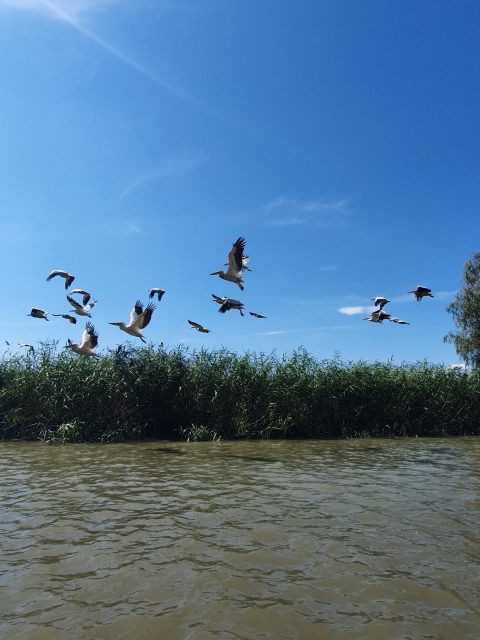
[197,326]
[145,317]
[138,308]
[74,303]
[235,257]
[55,272]
[90,336]
[158,292]
[218,299]
[256,315]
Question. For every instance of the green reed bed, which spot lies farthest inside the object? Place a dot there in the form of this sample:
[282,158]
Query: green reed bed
[150,392]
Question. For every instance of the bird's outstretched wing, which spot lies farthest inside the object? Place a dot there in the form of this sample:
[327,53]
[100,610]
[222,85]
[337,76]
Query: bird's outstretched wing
[145,317]
[135,312]
[89,337]
[158,292]
[74,303]
[235,257]
[55,272]
[256,315]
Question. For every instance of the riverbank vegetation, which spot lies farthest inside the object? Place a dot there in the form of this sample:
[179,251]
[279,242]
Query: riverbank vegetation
[149,392]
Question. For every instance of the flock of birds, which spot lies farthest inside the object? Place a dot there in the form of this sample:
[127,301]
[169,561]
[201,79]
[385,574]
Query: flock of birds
[379,315]
[140,317]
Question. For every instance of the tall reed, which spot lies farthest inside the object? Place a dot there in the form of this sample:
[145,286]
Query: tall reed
[149,392]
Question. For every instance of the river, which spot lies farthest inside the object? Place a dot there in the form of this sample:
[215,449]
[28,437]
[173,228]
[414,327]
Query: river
[307,540]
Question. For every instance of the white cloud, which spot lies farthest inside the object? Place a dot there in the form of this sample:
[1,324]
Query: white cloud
[354,311]
[170,165]
[283,212]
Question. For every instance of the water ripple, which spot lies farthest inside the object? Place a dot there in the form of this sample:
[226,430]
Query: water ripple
[348,539]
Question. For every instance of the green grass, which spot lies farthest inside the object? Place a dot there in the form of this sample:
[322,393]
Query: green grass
[149,392]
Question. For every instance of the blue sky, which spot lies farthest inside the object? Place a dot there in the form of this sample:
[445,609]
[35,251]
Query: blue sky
[141,138]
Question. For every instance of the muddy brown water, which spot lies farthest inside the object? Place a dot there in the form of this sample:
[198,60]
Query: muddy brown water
[305,540]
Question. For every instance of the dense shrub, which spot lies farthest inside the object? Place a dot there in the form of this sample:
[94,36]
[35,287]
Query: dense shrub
[149,392]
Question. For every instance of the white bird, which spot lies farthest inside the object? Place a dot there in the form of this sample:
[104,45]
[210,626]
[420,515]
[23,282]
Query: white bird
[378,316]
[27,346]
[63,274]
[228,303]
[66,316]
[198,327]
[81,310]
[86,295]
[38,313]
[235,264]
[139,319]
[88,343]
[421,292]
[158,292]
[398,321]
[380,301]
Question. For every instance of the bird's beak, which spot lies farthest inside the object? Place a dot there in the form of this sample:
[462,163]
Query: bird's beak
[116,324]
[215,273]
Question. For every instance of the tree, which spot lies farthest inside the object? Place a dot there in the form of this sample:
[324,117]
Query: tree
[465,310]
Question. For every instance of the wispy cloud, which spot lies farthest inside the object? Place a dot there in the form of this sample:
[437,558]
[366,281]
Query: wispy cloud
[302,330]
[131,228]
[171,165]
[327,268]
[354,311]
[291,212]
[70,12]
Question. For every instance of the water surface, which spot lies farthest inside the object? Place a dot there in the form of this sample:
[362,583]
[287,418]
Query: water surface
[369,539]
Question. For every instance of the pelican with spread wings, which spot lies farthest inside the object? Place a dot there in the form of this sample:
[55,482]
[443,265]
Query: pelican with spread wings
[81,309]
[236,264]
[198,327]
[139,319]
[63,274]
[88,343]
[226,304]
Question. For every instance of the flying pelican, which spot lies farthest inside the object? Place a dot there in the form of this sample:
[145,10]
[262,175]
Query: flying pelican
[235,264]
[228,303]
[139,319]
[158,292]
[421,292]
[27,346]
[256,315]
[378,316]
[38,313]
[398,321]
[63,274]
[88,343]
[86,295]
[66,317]
[198,327]
[380,301]
[80,309]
